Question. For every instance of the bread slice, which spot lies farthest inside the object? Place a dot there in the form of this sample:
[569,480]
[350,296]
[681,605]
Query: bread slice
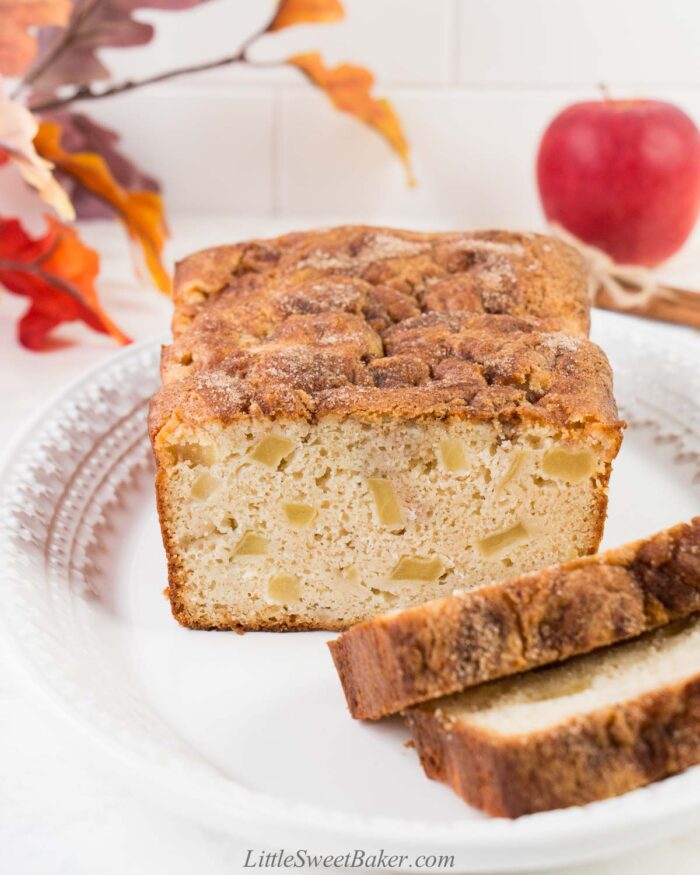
[594,727]
[403,658]
[361,419]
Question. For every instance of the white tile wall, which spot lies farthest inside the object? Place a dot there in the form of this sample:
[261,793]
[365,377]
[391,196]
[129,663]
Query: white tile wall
[543,42]
[402,41]
[405,42]
[475,82]
[474,159]
[212,148]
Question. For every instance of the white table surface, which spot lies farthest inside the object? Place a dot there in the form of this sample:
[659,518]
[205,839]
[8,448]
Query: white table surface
[62,810]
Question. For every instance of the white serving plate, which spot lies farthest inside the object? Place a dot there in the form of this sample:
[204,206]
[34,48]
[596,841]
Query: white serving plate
[250,734]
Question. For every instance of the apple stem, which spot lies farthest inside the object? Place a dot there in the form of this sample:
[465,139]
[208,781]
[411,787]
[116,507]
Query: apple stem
[605,91]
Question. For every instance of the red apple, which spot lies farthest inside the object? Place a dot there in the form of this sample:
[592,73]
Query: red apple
[622,175]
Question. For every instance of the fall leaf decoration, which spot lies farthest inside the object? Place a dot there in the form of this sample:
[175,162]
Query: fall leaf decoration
[79,133]
[54,47]
[141,212]
[57,273]
[93,25]
[17,44]
[18,127]
[348,88]
[291,12]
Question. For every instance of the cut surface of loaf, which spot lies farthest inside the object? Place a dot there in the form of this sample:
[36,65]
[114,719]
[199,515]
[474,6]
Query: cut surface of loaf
[594,727]
[403,658]
[361,419]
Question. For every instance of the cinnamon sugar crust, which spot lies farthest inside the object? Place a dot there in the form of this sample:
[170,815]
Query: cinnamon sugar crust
[435,365]
[385,274]
[373,322]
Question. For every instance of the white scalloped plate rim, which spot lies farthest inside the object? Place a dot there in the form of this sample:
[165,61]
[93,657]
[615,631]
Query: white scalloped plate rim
[174,771]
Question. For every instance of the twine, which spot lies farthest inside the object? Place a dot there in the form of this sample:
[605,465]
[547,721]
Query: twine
[628,285]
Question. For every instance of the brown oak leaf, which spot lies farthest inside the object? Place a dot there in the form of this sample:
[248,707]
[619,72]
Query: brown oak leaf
[348,87]
[141,212]
[291,12]
[57,273]
[17,43]
[104,24]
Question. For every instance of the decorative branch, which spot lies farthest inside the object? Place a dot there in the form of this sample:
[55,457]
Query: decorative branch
[60,283]
[87,92]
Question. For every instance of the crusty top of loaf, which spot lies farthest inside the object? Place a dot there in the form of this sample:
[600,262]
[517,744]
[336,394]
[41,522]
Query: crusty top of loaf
[233,295]
[371,322]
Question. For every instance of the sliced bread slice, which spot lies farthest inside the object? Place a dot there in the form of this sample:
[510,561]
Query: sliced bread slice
[403,658]
[597,726]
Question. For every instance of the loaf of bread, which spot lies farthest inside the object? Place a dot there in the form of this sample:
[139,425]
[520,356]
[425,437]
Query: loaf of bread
[594,727]
[403,658]
[361,419]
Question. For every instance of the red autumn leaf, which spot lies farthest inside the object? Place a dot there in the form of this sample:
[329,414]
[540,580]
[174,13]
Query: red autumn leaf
[348,87]
[18,18]
[82,134]
[291,12]
[141,212]
[93,26]
[57,273]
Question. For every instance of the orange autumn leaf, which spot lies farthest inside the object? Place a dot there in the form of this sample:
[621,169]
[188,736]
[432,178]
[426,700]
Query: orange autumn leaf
[291,12]
[141,212]
[348,87]
[57,273]
[17,42]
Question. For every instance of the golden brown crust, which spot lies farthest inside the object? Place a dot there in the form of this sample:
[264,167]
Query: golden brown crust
[371,322]
[387,270]
[394,661]
[594,756]
[436,366]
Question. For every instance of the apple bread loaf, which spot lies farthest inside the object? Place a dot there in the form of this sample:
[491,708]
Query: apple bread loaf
[594,727]
[403,658]
[361,419]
